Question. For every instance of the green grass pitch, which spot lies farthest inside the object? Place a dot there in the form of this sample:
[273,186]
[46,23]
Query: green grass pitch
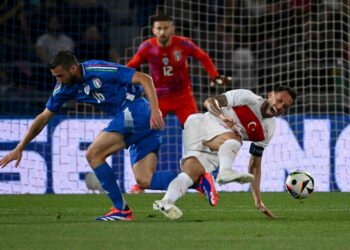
[67,222]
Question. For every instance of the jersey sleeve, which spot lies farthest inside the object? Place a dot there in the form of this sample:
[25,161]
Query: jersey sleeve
[201,56]
[124,75]
[240,97]
[60,95]
[139,57]
[135,62]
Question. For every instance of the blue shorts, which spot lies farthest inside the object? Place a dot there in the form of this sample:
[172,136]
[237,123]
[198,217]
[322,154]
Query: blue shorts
[134,124]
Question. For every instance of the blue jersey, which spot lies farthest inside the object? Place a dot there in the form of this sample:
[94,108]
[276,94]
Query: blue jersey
[105,85]
[108,86]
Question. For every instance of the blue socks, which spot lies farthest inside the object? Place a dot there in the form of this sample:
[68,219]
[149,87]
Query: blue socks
[161,180]
[105,175]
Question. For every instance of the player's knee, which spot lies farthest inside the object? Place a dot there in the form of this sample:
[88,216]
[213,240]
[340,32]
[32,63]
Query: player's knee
[193,120]
[230,145]
[89,154]
[229,137]
[143,181]
[92,156]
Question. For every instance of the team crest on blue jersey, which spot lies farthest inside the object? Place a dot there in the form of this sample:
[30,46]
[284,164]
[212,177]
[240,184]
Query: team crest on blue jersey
[165,60]
[56,89]
[87,89]
[97,83]
[177,55]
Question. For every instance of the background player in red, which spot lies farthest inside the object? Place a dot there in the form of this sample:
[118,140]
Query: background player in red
[167,55]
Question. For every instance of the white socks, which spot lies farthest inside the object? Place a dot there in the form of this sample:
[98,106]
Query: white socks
[227,153]
[178,187]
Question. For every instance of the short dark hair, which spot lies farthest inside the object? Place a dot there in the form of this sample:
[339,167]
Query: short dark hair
[162,18]
[291,92]
[63,58]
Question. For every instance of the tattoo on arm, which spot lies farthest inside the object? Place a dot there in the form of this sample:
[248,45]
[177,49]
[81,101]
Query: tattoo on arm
[214,104]
[222,100]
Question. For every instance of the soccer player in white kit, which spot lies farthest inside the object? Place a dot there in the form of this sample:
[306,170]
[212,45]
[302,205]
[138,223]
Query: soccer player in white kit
[213,139]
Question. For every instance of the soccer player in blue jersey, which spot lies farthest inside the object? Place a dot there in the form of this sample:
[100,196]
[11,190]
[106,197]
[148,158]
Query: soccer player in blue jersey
[136,123]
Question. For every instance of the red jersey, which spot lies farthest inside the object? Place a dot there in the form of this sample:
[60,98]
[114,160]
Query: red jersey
[169,66]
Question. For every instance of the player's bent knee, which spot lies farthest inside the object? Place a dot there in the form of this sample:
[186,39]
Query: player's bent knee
[230,145]
[230,136]
[93,157]
[90,154]
[143,181]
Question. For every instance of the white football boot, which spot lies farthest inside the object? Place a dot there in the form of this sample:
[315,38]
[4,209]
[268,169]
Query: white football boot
[167,208]
[229,175]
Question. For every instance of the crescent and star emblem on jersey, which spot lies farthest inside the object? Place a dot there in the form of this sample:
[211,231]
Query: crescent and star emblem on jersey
[177,55]
[165,60]
[251,126]
[97,83]
[250,123]
[87,89]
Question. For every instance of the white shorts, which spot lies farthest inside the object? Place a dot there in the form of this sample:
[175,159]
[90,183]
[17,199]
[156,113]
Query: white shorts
[200,128]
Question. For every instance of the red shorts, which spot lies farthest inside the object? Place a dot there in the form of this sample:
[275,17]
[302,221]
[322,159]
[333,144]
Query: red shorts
[181,106]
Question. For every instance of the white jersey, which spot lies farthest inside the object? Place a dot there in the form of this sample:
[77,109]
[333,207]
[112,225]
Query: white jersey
[244,107]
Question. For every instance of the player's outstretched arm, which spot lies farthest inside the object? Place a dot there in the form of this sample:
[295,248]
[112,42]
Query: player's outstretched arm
[146,81]
[215,78]
[39,123]
[255,169]
[135,62]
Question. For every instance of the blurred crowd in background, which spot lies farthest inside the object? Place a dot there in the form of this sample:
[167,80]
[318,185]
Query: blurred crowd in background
[302,42]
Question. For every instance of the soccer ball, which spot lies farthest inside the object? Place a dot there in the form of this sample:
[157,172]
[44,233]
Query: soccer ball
[300,184]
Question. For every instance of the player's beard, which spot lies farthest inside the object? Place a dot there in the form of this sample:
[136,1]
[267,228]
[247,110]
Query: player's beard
[163,40]
[271,111]
[266,109]
[71,80]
